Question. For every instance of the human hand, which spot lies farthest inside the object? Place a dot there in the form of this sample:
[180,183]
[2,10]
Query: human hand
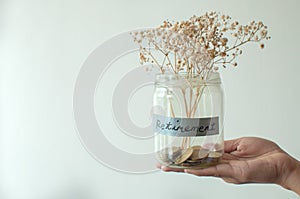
[253,160]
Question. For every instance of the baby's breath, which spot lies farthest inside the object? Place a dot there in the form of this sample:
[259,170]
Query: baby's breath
[199,45]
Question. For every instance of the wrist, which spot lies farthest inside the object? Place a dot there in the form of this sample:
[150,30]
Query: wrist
[291,175]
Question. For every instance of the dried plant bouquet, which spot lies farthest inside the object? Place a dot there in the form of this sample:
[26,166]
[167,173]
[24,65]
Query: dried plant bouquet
[199,45]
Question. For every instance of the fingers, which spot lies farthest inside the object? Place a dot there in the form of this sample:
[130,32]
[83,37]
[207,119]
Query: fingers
[231,145]
[168,169]
[158,165]
[227,157]
[249,147]
[236,147]
[221,170]
[231,180]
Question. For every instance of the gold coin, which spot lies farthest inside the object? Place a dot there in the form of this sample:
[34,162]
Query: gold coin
[186,153]
[196,147]
[199,154]
[186,164]
[194,161]
[214,155]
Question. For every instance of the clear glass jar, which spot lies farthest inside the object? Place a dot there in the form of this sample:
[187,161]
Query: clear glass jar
[188,116]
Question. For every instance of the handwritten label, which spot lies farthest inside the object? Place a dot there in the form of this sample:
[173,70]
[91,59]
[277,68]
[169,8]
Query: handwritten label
[185,127]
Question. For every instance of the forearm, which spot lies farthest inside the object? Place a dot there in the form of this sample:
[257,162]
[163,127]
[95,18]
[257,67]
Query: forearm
[291,180]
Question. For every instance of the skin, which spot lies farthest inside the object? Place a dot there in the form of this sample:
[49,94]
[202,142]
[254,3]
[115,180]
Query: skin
[253,160]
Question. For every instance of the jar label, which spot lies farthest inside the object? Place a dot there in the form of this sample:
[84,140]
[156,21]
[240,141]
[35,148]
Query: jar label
[185,127]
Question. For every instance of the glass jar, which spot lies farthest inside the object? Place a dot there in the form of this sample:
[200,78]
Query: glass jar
[188,120]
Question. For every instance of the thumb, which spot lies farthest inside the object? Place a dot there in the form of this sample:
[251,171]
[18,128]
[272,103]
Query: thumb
[231,145]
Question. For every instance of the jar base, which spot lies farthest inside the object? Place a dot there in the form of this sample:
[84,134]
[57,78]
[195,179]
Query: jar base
[190,158]
[200,165]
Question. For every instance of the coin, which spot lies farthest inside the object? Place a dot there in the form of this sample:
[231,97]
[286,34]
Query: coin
[214,157]
[199,154]
[214,154]
[186,153]
[196,147]
[186,164]
[194,161]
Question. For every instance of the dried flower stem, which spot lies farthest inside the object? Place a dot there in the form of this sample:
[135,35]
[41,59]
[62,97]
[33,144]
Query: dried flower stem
[172,110]
[185,102]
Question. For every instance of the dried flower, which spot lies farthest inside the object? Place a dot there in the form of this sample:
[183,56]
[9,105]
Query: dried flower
[198,45]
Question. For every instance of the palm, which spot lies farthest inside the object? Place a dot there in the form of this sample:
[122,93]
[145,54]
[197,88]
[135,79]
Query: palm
[246,160]
[239,169]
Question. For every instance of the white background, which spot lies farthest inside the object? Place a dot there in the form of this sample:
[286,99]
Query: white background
[42,47]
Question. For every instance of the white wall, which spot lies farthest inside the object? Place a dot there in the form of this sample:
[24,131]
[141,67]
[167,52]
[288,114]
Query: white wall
[42,47]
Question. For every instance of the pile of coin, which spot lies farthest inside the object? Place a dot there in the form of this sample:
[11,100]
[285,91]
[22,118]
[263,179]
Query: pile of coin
[189,157]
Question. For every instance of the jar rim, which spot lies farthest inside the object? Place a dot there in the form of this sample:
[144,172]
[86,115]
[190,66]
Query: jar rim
[167,78]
